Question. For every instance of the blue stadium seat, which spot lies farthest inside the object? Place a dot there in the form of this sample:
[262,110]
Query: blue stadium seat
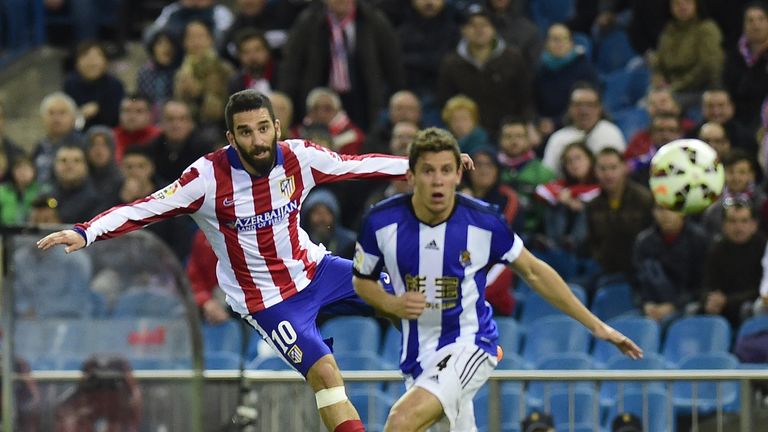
[753,325]
[585,412]
[706,392]
[349,361]
[536,307]
[390,349]
[538,391]
[511,361]
[609,390]
[511,407]
[654,402]
[147,304]
[509,334]
[565,263]
[547,12]
[353,334]
[554,335]
[158,340]
[223,337]
[43,342]
[696,335]
[221,360]
[631,120]
[644,331]
[613,300]
[613,51]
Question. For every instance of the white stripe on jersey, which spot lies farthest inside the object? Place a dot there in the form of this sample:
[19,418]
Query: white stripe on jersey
[431,250]
[477,244]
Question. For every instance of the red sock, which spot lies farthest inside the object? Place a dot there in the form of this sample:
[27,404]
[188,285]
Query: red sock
[350,426]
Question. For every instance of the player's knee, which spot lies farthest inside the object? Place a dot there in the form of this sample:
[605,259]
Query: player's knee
[330,396]
[324,374]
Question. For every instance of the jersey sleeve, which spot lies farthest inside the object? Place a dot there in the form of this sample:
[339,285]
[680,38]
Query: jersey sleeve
[184,196]
[328,166]
[368,261]
[506,245]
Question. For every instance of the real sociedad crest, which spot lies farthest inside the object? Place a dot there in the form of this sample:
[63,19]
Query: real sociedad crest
[287,186]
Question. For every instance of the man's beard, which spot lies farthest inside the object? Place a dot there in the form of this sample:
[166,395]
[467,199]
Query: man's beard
[262,166]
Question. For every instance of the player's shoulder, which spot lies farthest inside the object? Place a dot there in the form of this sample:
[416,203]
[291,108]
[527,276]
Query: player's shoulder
[475,205]
[386,208]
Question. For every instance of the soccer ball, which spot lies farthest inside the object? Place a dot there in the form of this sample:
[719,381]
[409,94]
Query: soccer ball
[686,176]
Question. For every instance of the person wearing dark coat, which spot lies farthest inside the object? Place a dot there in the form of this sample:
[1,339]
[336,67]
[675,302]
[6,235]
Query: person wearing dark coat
[364,67]
[96,92]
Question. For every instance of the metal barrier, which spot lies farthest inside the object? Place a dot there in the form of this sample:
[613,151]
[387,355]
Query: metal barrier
[285,401]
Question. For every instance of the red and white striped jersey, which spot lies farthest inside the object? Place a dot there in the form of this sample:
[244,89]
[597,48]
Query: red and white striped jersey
[251,222]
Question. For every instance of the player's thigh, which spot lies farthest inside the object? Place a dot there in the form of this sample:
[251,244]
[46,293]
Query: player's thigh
[416,410]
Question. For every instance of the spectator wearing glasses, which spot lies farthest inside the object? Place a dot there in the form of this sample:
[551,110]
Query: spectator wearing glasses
[740,183]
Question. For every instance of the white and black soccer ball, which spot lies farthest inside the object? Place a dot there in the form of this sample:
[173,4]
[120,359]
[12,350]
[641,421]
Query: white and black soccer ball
[686,176]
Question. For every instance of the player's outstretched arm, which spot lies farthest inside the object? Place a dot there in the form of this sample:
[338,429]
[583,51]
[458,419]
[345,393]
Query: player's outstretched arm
[407,306]
[545,280]
[70,238]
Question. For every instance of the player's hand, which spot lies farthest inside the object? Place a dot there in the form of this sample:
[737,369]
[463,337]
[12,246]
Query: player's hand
[466,162]
[70,238]
[408,306]
[623,343]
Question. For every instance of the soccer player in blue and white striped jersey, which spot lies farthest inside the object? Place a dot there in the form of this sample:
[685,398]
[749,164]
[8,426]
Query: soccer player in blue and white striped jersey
[437,246]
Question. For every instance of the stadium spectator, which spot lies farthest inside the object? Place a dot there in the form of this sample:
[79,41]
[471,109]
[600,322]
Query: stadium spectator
[488,71]
[97,92]
[537,421]
[733,267]
[746,68]
[402,136]
[689,57]
[155,77]
[561,66]
[363,65]
[320,217]
[740,175]
[462,117]
[617,215]
[17,194]
[324,107]
[26,396]
[565,219]
[626,422]
[257,70]
[86,19]
[522,170]
[668,259]
[664,129]
[203,78]
[78,199]
[180,144]
[100,155]
[483,183]
[283,107]
[404,106]
[714,134]
[136,127]
[59,113]
[717,106]
[586,122]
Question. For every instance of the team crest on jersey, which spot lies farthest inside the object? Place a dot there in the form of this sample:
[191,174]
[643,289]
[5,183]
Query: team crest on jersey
[295,354]
[168,191]
[465,258]
[287,186]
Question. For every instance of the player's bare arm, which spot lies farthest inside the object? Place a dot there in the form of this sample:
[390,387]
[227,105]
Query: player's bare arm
[407,306]
[545,280]
[70,238]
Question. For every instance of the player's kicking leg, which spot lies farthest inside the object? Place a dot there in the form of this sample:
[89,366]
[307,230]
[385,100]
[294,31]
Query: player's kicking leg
[336,410]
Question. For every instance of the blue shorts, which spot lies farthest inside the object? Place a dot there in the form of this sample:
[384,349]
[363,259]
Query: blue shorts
[289,327]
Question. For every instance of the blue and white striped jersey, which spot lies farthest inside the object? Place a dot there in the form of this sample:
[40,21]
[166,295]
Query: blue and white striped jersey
[447,262]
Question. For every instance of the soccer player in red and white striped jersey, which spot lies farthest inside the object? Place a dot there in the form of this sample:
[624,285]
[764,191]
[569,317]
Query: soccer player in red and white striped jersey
[246,198]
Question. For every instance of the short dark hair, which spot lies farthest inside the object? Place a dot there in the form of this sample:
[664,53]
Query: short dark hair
[610,151]
[736,155]
[432,140]
[83,47]
[247,34]
[138,97]
[138,151]
[246,100]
